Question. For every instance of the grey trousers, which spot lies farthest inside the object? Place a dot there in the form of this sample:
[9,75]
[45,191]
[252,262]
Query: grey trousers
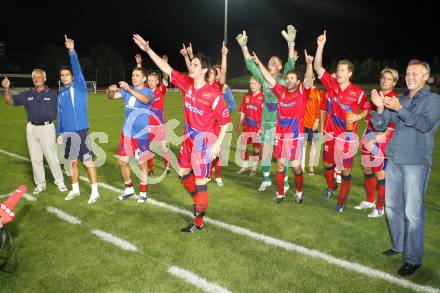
[41,141]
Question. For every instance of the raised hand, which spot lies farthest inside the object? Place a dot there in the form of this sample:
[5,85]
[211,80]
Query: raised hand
[377,98]
[255,58]
[189,50]
[290,35]
[125,86]
[165,58]
[6,83]
[183,51]
[308,58]
[242,39]
[138,58]
[224,49]
[322,39]
[69,43]
[113,87]
[143,45]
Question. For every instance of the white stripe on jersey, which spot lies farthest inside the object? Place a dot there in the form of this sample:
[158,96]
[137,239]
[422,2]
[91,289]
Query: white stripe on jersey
[214,105]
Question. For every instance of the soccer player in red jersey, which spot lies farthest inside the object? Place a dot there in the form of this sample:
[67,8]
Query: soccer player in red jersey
[251,111]
[373,150]
[217,79]
[292,101]
[157,127]
[343,102]
[203,105]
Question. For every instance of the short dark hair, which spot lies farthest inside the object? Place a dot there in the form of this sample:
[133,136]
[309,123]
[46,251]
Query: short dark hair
[296,72]
[65,67]
[154,73]
[205,62]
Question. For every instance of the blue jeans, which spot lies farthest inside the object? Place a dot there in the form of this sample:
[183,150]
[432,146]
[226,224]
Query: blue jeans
[405,189]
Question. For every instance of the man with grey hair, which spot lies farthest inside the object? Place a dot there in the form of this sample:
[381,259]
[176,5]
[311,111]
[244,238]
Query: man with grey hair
[40,104]
[416,115]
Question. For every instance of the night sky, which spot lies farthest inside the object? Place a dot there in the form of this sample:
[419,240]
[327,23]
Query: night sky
[355,29]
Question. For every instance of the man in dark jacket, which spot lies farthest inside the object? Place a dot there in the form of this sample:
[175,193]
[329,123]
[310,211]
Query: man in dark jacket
[416,115]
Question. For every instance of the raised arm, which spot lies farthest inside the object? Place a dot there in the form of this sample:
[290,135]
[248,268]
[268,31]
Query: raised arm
[265,73]
[6,86]
[290,36]
[242,40]
[184,52]
[250,64]
[224,65]
[308,76]
[138,59]
[165,76]
[74,62]
[318,56]
[145,46]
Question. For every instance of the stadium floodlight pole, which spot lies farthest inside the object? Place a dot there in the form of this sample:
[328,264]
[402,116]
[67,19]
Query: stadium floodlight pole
[225,36]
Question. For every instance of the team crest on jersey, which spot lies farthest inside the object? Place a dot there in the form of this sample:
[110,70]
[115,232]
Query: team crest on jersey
[225,113]
[131,101]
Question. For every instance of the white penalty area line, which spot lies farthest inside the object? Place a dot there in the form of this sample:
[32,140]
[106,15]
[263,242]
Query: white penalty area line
[192,278]
[364,270]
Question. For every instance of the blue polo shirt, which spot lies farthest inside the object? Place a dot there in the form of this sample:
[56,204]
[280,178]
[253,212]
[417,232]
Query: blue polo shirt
[40,107]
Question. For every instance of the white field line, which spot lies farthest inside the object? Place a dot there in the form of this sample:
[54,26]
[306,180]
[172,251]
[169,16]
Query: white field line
[192,278]
[64,216]
[25,195]
[114,240]
[173,270]
[29,197]
[364,270]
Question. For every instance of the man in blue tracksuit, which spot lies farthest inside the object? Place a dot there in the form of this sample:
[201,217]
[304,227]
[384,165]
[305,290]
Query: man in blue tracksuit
[73,124]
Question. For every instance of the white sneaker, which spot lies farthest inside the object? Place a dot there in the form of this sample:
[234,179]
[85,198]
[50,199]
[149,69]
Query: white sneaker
[365,205]
[72,194]
[376,213]
[93,198]
[62,187]
[264,185]
[253,171]
[242,170]
[39,188]
[141,199]
[219,182]
[298,197]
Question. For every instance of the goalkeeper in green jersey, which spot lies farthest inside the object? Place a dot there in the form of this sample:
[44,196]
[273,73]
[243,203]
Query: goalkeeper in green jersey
[269,118]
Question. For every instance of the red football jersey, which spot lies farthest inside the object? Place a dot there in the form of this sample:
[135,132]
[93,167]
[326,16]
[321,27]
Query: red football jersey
[157,108]
[252,108]
[340,103]
[202,107]
[291,108]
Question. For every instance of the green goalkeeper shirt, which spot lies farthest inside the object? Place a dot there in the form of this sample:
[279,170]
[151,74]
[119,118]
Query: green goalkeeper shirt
[270,100]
